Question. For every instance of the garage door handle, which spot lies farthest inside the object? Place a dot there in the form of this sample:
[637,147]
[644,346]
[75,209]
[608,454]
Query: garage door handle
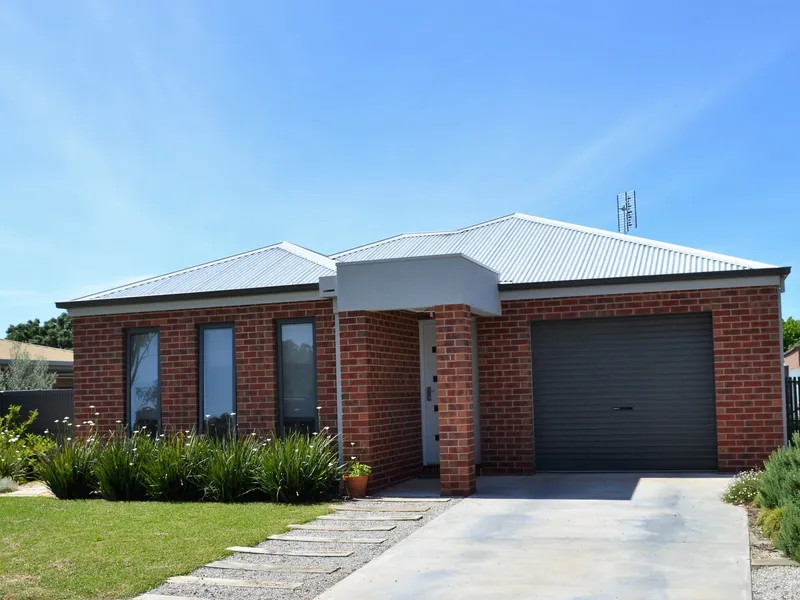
[622,408]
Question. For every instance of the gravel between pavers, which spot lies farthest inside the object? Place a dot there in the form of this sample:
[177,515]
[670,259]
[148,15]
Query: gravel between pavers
[776,583]
[313,583]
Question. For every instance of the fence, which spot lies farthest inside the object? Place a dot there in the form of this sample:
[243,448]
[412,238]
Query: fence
[51,404]
[793,405]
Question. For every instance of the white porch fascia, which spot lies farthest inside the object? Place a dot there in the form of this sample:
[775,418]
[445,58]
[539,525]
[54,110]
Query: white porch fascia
[416,283]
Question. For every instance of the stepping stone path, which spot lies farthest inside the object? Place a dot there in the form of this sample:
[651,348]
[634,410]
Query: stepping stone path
[309,558]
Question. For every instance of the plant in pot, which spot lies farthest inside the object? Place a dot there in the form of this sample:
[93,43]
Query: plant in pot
[356,477]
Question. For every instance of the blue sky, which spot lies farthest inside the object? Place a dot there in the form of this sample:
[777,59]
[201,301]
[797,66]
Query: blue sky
[140,138]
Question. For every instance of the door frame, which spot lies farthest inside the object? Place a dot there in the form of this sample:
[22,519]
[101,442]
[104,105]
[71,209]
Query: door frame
[475,390]
[422,378]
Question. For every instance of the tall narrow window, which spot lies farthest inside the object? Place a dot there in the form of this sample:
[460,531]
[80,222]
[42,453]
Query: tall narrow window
[297,373]
[217,379]
[144,383]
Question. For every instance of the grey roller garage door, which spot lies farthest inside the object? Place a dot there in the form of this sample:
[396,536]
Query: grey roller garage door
[632,393]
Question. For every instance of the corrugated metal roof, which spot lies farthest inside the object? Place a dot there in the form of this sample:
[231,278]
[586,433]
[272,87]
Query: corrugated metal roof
[522,248]
[274,266]
[526,249]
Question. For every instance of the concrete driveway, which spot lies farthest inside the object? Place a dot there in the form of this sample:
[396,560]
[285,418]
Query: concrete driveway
[570,537]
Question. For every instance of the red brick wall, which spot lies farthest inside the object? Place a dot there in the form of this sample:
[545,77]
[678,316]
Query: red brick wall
[747,369]
[100,362]
[456,420]
[381,392]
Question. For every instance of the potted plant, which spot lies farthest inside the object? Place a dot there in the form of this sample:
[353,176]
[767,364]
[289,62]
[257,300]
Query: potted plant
[356,477]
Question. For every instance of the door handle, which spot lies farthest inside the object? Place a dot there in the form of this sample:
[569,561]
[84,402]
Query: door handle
[428,392]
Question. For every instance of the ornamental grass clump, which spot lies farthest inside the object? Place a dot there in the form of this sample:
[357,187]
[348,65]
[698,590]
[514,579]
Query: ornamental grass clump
[229,473]
[174,471]
[299,468]
[120,464]
[68,469]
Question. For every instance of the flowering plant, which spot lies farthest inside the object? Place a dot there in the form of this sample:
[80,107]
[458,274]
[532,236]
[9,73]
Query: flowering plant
[355,468]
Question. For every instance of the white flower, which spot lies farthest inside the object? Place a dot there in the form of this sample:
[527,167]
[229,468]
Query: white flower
[69,439]
[352,443]
[77,426]
[314,433]
[96,414]
[233,414]
[162,435]
[57,421]
[319,408]
[326,428]
[46,431]
[253,433]
[131,464]
[91,406]
[208,416]
[118,421]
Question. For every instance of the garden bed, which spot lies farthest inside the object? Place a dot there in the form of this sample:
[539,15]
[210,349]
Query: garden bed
[774,577]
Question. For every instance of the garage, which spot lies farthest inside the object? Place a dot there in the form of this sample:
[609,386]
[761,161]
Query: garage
[624,394]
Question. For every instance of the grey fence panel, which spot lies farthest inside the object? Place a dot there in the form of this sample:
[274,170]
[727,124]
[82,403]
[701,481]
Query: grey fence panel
[51,404]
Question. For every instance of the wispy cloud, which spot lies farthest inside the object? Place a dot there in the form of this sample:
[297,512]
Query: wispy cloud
[645,131]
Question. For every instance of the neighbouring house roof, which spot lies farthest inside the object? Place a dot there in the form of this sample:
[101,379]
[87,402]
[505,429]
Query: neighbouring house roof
[791,350]
[524,250]
[51,355]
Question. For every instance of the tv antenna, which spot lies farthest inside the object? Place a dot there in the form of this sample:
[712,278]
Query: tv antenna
[626,212]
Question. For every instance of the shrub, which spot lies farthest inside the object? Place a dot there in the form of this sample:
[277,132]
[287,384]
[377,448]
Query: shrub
[770,521]
[788,537]
[230,469]
[13,456]
[68,469]
[7,485]
[299,468]
[780,482]
[174,470]
[19,450]
[743,488]
[119,465]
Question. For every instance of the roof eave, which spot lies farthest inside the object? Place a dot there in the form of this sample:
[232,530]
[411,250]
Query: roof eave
[300,287]
[776,271]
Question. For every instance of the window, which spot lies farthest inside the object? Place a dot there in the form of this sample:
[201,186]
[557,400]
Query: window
[217,379]
[297,375]
[144,381]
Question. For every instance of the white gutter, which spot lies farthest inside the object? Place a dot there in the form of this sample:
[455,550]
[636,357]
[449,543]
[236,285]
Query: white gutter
[339,416]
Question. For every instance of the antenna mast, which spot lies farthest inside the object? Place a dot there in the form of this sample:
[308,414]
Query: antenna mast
[626,212]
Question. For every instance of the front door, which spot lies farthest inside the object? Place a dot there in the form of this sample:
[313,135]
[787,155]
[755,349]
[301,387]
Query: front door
[430,404]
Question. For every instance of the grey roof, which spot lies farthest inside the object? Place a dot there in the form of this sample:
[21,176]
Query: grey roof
[521,248]
[279,265]
[526,249]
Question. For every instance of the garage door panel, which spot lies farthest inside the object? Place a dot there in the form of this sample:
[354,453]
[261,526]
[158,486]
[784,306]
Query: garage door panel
[660,367]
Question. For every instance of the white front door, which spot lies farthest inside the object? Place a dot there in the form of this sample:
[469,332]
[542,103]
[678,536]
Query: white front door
[430,403]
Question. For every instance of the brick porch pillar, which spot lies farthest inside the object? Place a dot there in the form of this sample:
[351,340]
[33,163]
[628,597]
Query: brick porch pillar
[456,424]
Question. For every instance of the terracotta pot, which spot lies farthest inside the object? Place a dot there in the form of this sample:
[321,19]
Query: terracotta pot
[356,486]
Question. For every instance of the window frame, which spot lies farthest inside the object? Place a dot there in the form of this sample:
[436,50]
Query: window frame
[279,323]
[200,375]
[129,333]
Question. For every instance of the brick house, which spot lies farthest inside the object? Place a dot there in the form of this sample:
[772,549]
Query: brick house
[515,345]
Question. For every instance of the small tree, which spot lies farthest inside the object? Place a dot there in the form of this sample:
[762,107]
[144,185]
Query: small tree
[791,333]
[26,373]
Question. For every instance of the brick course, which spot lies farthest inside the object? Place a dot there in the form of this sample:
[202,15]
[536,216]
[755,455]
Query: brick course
[747,369]
[381,392]
[100,377]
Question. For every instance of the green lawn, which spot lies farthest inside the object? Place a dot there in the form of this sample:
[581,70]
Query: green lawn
[63,549]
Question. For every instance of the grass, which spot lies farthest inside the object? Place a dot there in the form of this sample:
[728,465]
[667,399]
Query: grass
[91,549]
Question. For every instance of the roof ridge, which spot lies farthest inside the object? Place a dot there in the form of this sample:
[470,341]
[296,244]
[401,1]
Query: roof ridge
[336,255]
[304,253]
[646,241]
[308,254]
